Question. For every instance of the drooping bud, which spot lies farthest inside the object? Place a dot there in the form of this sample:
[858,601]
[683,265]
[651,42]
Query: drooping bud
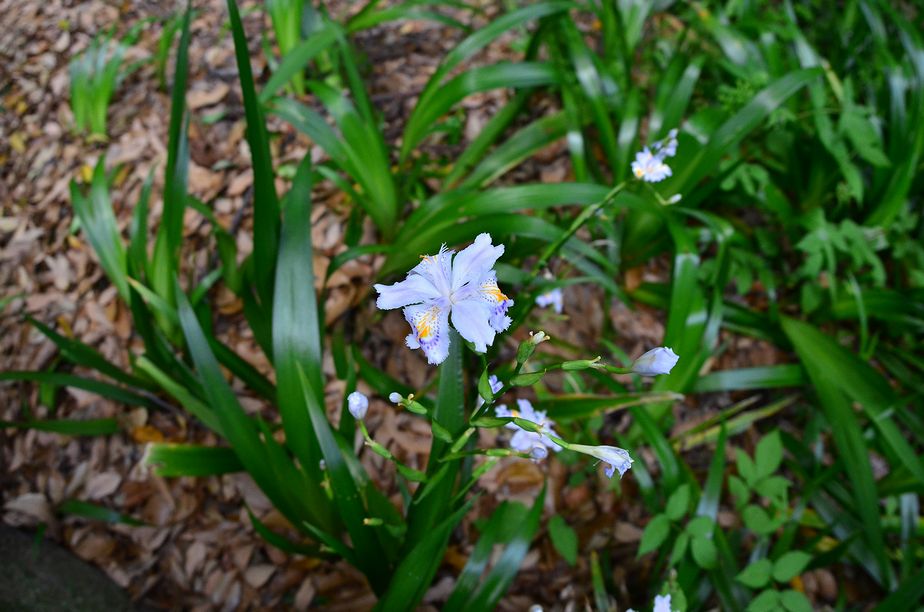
[358,404]
[657,361]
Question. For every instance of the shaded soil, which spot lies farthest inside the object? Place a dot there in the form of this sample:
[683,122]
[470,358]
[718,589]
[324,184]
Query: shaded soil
[40,576]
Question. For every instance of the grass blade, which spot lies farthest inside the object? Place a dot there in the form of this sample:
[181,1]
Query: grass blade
[848,436]
[99,224]
[175,460]
[68,427]
[96,512]
[430,109]
[501,576]
[83,354]
[763,377]
[349,504]
[265,200]
[98,387]
[295,60]
[297,330]
[170,233]
[415,572]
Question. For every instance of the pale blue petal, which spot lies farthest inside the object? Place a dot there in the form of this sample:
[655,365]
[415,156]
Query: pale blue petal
[474,261]
[662,603]
[553,298]
[429,330]
[487,291]
[525,408]
[412,290]
[524,441]
[470,318]
[437,269]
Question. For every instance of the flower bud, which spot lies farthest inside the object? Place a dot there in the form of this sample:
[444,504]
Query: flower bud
[395,397]
[528,346]
[656,361]
[538,453]
[358,404]
[615,458]
[579,364]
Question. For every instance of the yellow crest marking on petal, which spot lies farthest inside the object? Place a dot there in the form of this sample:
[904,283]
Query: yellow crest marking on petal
[490,289]
[426,323]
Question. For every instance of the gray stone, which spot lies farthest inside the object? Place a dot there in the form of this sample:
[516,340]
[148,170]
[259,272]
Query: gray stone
[38,575]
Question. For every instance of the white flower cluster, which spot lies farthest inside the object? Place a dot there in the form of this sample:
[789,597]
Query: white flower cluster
[530,441]
[649,163]
[462,289]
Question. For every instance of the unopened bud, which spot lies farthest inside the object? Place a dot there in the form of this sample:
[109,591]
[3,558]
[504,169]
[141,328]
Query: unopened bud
[358,404]
[528,346]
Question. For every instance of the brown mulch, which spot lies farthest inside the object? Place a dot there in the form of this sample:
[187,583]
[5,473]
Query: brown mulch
[198,550]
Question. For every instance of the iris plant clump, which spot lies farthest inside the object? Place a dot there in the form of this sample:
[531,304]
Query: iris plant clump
[461,290]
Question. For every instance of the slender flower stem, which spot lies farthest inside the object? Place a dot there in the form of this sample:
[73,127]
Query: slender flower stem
[592,363]
[579,221]
[478,473]
[528,295]
[408,472]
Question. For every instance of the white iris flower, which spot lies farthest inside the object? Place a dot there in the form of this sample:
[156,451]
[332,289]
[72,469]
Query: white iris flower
[657,361]
[649,163]
[463,288]
[662,603]
[615,458]
[553,298]
[525,441]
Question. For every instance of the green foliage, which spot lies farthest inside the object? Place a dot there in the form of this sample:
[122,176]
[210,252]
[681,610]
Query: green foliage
[564,539]
[286,16]
[94,76]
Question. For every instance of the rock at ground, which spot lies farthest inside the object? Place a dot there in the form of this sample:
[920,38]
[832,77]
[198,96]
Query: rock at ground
[39,575]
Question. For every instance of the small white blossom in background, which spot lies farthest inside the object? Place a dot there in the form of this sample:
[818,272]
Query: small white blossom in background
[616,459]
[496,386]
[358,404]
[657,361]
[674,198]
[553,298]
[441,286]
[649,163]
[525,441]
[662,603]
